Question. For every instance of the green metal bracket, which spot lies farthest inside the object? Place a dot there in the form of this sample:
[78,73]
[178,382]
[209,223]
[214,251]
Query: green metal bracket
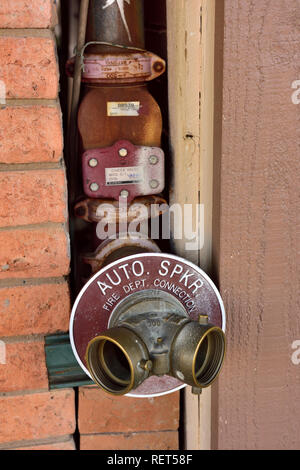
[63,368]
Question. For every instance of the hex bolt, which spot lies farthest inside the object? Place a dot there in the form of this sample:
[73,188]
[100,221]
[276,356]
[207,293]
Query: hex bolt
[123,152]
[153,160]
[146,365]
[203,319]
[94,187]
[158,66]
[154,184]
[93,162]
[124,193]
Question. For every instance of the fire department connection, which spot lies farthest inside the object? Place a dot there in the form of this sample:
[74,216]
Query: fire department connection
[145,323]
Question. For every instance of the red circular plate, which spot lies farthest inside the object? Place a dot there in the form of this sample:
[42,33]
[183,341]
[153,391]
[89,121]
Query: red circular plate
[100,296]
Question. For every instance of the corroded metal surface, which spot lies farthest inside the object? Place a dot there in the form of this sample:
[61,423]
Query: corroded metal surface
[123,169]
[115,21]
[101,125]
[123,245]
[63,369]
[107,68]
[141,208]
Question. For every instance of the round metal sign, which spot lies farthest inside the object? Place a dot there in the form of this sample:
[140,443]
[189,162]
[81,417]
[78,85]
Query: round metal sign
[170,274]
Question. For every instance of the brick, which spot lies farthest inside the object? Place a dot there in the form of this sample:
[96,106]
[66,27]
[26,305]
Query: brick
[28,67]
[32,197]
[37,416]
[134,441]
[34,253]
[25,367]
[25,14]
[30,134]
[27,310]
[102,413]
[66,445]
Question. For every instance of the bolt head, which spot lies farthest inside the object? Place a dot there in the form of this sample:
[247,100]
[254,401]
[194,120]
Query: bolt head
[154,184]
[153,160]
[123,152]
[203,319]
[158,66]
[93,162]
[146,365]
[94,187]
[124,193]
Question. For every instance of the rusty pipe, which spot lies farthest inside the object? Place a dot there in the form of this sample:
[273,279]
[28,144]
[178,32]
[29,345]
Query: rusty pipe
[115,21]
[72,122]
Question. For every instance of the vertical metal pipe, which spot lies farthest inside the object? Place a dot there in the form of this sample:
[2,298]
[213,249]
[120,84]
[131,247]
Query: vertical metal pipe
[72,136]
[115,21]
[72,149]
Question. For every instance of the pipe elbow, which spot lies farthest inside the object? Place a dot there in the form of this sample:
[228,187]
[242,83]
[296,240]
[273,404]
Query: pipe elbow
[122,359]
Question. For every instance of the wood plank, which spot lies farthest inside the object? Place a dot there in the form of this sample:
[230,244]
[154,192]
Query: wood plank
[207,128]
[259,387]
[184,64]
[206,179]
[191,90]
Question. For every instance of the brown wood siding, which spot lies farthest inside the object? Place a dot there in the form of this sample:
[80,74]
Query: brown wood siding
[258,396]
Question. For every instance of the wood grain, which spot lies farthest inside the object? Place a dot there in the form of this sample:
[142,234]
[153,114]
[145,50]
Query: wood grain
[259,388]
[191,90]
[184,66]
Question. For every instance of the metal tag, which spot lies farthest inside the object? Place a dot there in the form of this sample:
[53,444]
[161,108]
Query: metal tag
[133,67]
[123,170]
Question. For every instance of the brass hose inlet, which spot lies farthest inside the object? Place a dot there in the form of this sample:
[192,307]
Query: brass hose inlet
[198,353]
[209,357]
[114,361]
[121,359]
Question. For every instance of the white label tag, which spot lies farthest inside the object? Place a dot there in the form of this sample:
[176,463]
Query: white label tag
[125,108]
[124,175]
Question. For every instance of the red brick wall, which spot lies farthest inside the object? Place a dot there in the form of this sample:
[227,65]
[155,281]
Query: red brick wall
[109,423]
[34,245]
[34,261]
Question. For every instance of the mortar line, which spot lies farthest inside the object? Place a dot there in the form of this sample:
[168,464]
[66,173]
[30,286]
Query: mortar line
[33,227]
[37,442]
[31,101]
[47,166]
[21,393]
[27,32]
[11,282]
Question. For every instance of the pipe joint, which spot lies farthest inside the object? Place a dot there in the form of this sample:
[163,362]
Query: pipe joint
[155,343]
